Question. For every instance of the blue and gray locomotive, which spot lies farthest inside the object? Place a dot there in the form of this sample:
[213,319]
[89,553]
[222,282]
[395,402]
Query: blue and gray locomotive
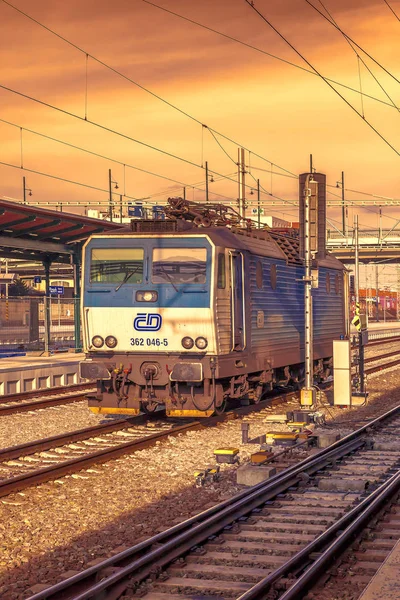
[186,316]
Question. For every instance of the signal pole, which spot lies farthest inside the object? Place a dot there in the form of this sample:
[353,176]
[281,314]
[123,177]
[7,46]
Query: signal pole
[362,328]
[258,204]
[307,394]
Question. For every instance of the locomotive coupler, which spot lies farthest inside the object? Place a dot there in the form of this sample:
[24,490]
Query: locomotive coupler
[149,374]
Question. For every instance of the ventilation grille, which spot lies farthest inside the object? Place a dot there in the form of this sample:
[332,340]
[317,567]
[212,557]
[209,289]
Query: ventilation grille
[289,245]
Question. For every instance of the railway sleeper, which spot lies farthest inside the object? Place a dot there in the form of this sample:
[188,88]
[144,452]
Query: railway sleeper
[275,536]
[302,514]
[272,527]
[236,559]
[298,519]
[201,571]
[193,586]
[233,547]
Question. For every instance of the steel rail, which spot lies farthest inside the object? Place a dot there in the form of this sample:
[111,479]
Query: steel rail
[82,434]
[40,404]
[384,340]
[62,439]
[173,548]
[196,529]
[386,492]
[74,393]
[44,392]
[378,368]
[63,468]
[349,522]
[60,469]
[371,359]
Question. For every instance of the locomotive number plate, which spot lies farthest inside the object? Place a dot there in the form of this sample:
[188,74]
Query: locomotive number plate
[149,342]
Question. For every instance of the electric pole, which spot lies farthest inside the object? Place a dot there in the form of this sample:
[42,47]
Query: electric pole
[242,183]
[206,181]
[343,209]
[110,201]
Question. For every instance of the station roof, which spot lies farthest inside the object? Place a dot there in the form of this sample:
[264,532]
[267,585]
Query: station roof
[34,233]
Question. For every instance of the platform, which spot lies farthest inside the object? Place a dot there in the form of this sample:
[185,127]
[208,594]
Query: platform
[26,373]
[386,582]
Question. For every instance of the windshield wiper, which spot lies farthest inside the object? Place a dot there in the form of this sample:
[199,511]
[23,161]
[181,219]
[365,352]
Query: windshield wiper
[125,279]
[168,277]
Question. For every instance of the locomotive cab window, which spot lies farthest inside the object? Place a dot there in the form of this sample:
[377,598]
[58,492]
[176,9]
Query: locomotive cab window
[221,279]
[116,265]
[179,265]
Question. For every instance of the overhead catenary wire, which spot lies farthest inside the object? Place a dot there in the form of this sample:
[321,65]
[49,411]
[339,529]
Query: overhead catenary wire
[390,8]
[97,154]
[334,24]
[251,5]
[126,78]
[99,125]
[74,115]
[190,116]
[359,58]
[58,178]
[252,47]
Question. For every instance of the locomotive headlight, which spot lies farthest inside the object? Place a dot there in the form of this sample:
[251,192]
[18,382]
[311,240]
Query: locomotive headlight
[201,343]
[97,341]
[146,296]
[187,342]
[111,341]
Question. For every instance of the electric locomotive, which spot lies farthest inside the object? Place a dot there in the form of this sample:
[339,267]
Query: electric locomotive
[186,316]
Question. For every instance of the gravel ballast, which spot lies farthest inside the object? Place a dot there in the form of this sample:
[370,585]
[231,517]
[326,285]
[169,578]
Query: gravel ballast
[62,525]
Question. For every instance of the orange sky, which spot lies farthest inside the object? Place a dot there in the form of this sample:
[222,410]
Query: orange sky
[277,111]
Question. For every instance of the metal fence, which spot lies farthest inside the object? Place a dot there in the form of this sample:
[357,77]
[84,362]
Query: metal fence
[23,324]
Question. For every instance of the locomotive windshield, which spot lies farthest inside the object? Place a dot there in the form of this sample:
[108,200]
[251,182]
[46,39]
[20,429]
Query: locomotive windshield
[113,265]
[179,265]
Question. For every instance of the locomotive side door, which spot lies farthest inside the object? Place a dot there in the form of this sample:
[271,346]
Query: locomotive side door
[237,300]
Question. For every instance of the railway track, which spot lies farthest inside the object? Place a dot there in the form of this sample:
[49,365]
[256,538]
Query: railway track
[39,399]
[381,366]
[272,538]
[47,459]
[51,458]
[382,341]
[376,533]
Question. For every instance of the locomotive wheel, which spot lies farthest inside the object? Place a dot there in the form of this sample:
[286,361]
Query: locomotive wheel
[221,408]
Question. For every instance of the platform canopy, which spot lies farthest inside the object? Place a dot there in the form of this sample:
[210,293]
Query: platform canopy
[34,233]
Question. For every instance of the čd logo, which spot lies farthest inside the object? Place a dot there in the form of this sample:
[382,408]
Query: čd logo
[149,322]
